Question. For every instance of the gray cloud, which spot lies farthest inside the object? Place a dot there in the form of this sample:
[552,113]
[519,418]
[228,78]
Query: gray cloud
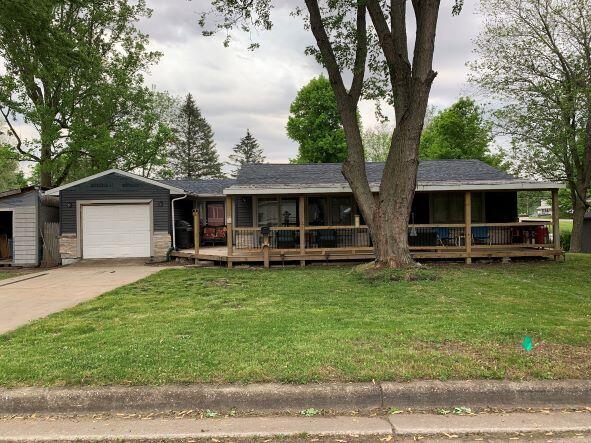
[238,89]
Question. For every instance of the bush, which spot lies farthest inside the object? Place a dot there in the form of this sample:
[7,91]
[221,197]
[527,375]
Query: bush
[565,240]
[368,273]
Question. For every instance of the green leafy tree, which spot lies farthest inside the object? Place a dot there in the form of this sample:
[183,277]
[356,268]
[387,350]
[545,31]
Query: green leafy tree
[315,124]
[193,153]
[460,132]
[74,72]
[247,152]
[366,42]
[533,59]
[10,175]
[377,141]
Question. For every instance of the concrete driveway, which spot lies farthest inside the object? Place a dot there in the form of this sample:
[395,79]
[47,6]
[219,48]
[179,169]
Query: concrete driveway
[33,296]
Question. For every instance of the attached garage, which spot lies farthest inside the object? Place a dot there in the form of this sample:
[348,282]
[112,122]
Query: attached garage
[116,231]
[115,214]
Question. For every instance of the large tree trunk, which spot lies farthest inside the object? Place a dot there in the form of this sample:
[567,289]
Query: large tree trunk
[579,209]
[45,177]
[387,216]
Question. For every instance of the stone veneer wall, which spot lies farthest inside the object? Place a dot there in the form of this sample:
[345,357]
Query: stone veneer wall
[162,243]
[69,245]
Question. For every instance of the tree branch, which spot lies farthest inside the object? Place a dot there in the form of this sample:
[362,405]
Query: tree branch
[328,56]
[426,12]
[360,55]
[19,143]
[394,48]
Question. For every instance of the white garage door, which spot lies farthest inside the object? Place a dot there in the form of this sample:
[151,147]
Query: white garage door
[114,231]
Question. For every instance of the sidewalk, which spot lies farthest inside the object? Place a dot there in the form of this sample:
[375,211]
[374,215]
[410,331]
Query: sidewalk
[492,425]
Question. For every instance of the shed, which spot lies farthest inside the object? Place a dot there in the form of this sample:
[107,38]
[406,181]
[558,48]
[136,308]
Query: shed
[23,213]
[586,246]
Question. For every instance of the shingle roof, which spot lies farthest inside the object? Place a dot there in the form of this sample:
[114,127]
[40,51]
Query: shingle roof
[330,173]
[202,187]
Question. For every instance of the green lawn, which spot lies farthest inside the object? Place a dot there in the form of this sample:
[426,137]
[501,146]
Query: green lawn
[321,323]
[566,225]
[10,273]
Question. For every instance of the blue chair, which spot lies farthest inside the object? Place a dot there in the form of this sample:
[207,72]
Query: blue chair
[481,235]
[443,236]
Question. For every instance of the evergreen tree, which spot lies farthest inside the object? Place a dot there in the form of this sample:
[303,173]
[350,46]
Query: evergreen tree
[247,151]
[194,155]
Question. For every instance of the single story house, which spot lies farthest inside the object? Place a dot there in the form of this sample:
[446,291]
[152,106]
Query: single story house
[287,212]
[544,209]
[23,216]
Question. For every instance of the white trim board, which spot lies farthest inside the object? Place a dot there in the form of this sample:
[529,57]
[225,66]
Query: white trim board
[172,189]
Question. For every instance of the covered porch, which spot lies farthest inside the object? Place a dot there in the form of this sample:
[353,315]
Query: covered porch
[463,225]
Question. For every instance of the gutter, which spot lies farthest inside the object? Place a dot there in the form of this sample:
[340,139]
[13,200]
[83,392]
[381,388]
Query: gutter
[173,226]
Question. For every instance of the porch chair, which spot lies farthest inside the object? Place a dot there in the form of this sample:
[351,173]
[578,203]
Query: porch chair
[481,235]
[444,237]
[286,239]
[214,234]
[327,238]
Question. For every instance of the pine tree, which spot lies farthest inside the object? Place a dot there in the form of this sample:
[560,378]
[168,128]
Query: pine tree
[247,151]
[194,154]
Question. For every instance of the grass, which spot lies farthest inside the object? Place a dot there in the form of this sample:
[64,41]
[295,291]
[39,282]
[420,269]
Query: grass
[566,225]
[316,324]
[10,273]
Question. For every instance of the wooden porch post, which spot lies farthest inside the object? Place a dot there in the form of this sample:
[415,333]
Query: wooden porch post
[302,203]
[468,227]
[196,229]
[555,221]
[229,236]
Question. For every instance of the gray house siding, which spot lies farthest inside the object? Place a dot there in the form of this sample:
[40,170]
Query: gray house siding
[25,233]
[114,187]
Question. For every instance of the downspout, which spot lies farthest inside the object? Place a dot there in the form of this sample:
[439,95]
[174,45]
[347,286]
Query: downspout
[173,226]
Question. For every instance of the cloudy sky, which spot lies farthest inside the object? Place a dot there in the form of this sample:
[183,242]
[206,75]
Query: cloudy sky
[238,89]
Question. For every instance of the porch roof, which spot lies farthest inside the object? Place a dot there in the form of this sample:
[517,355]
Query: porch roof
[433,175]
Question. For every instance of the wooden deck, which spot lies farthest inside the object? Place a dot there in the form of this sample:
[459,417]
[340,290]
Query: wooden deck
[219,254]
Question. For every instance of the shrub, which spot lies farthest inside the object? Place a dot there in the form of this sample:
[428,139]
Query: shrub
[369,273]
[565,240]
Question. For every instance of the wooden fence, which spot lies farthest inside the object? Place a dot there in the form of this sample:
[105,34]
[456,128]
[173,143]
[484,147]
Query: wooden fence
[51,248]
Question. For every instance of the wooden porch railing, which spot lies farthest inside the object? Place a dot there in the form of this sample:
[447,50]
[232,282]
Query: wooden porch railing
[420,237]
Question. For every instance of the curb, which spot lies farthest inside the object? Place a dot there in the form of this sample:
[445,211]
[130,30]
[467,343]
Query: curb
[272,397]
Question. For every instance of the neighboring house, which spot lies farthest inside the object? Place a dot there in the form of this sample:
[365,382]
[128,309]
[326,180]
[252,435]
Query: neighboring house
[23,213]
[544,209]
[288,212]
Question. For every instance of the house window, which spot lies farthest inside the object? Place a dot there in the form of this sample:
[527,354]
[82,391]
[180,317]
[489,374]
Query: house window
[478,207]
[317,211]
[448,207]
[289,212]
[268,212]
[215,214]
[341,211]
